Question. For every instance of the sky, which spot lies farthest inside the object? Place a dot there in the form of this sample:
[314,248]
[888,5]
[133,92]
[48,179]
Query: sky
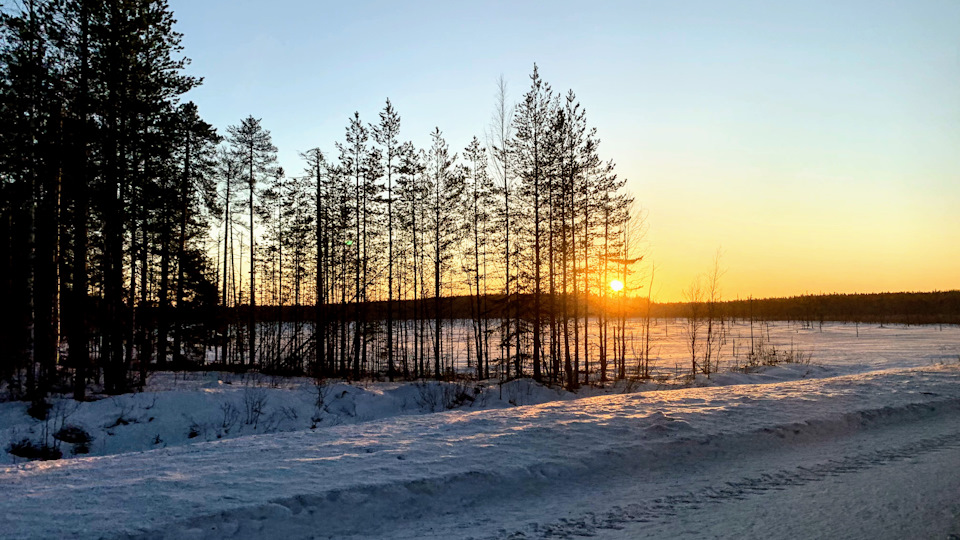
[814,144]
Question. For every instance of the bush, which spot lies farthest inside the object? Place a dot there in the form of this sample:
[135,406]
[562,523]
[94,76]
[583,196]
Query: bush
[81,448]
[767,354]
[73,435]
[27,449]
[437,396]
[231,415]
[254,403]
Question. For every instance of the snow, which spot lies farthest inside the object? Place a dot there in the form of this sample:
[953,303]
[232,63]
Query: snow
[186,408]
[377,461]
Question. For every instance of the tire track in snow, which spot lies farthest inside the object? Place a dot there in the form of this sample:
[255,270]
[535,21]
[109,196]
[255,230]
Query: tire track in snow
[662,509]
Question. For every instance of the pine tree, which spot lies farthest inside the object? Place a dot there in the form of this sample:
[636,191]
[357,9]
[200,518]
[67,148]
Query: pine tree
[530,149]
[478,198]
[316,171]
[386,134]
[231,183]
[256,153]
[196,196]
[412,196]
[354,153]
[446,199]
[79,173]
[499,140]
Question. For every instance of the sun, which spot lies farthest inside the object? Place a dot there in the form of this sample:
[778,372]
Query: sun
[616,285]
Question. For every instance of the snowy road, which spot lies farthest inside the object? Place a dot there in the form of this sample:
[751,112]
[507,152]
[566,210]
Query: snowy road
[886,481]
[861,456]
[911,492]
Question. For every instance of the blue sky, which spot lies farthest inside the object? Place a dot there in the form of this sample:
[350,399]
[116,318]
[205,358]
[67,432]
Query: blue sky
[815,143]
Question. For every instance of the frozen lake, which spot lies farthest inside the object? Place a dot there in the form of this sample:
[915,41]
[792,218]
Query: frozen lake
[848,347]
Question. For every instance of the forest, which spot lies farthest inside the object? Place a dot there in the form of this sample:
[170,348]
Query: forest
[138,237]
[936,307]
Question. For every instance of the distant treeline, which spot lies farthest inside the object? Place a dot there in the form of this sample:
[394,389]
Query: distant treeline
[938,307]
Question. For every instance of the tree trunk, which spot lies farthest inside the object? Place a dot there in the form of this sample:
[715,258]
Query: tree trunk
[181,251]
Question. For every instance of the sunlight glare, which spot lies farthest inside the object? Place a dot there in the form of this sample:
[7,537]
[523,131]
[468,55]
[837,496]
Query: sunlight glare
[616,285]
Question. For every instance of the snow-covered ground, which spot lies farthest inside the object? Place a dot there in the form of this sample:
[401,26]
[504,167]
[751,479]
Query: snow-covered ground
[864,443]
[188,408]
